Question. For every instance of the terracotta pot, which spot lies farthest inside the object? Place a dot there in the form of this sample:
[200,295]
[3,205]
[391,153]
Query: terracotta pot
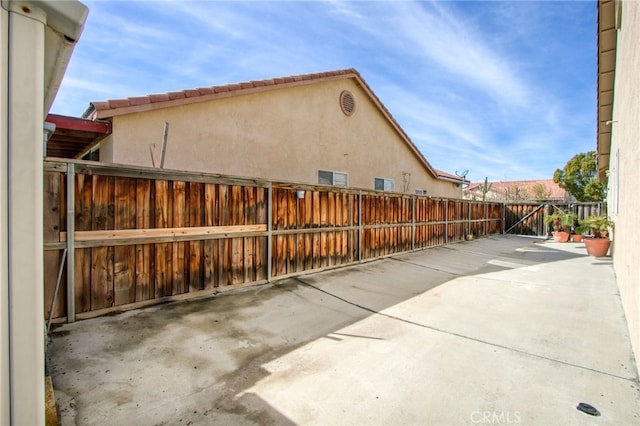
[560,236]
[597,247]
[576,238]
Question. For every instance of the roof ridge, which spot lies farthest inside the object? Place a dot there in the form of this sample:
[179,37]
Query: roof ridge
[132,101]
[100,109]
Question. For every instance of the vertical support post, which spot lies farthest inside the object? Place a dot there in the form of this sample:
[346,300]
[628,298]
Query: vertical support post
[350,234]
[504,218]
[486,219]
[28,83]
[446,221]
[297,267]
[5,282]
[22,92]
[165,133]
[71,242]
[269,229]
[359,226]
[546,225]
[468,218]
[413,223]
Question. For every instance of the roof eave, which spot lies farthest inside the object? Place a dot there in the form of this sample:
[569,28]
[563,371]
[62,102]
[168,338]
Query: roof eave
[454,180]
[606,45]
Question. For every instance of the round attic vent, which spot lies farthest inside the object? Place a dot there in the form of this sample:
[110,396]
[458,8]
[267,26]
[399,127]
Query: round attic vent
[347,102]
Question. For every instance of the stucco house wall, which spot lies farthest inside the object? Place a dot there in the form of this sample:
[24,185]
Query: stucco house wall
[280,133]
[623,196]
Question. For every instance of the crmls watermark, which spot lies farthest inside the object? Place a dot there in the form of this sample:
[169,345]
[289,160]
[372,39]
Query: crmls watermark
[496,417]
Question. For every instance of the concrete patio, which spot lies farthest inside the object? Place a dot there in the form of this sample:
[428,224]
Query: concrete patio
[500,330]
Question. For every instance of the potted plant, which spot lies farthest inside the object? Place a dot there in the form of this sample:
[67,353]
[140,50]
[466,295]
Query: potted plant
[597,242]
[576,237]
[577,231]
[562,222]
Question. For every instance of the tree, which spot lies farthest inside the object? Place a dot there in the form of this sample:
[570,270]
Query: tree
[485,188]
[579,176]
[540,192]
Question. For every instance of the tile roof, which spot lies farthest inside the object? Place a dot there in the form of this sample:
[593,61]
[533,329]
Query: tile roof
[557,193]
[114,107]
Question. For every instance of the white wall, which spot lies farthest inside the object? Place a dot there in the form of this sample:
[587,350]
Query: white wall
[624,177]
[22,295]
[4,228]
[33,57]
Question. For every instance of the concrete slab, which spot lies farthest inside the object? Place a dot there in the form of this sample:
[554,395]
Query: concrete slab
[492,331]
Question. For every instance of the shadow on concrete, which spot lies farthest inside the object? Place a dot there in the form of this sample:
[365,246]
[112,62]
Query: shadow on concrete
[190,362]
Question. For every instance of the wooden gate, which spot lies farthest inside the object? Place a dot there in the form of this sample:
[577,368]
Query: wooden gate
[528,218]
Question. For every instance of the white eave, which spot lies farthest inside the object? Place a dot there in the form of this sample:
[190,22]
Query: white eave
[64,21]
[608,11]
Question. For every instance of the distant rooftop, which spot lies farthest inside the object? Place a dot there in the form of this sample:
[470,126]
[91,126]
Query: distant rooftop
[499,188]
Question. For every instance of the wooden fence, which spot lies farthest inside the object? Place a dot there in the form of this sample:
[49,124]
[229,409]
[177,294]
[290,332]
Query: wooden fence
[528,218]
[136,236]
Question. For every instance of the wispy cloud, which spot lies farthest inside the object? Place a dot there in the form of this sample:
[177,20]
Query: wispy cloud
[427,34]
[461,50]
[504,89]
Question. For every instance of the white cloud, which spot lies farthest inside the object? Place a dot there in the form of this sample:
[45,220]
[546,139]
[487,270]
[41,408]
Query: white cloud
[474,84]
[439,42]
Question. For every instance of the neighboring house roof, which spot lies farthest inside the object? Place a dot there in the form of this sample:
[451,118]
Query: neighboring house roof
[115,107]
[450,177]
[556,193]
[607,39]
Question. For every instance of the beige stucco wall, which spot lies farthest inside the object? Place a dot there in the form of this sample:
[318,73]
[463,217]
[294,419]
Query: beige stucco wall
[624,178]
[281,134]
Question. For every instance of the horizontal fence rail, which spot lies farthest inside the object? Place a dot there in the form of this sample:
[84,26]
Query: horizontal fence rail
[136,236]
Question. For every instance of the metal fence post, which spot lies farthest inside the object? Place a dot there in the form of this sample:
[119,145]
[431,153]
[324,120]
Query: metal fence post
[468,219]
[413,222]
[269,229]
[71,230]
[485,226]
[359,226]
[446,221]
[546,225]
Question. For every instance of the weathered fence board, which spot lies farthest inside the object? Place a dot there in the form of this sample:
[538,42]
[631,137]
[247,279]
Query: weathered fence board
[53,197]
[144,266]
[145,236]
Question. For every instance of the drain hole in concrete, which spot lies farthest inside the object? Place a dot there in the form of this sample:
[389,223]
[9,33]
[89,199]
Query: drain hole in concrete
[588,409]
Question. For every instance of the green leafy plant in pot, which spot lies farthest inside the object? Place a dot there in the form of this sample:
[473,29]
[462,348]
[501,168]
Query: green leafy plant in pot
[576,236]
[562,221]
[597,241]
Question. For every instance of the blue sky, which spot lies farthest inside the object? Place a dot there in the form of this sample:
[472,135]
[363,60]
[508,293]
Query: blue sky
[505,90]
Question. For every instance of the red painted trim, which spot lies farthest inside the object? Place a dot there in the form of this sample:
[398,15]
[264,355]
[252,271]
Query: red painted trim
[80,124]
